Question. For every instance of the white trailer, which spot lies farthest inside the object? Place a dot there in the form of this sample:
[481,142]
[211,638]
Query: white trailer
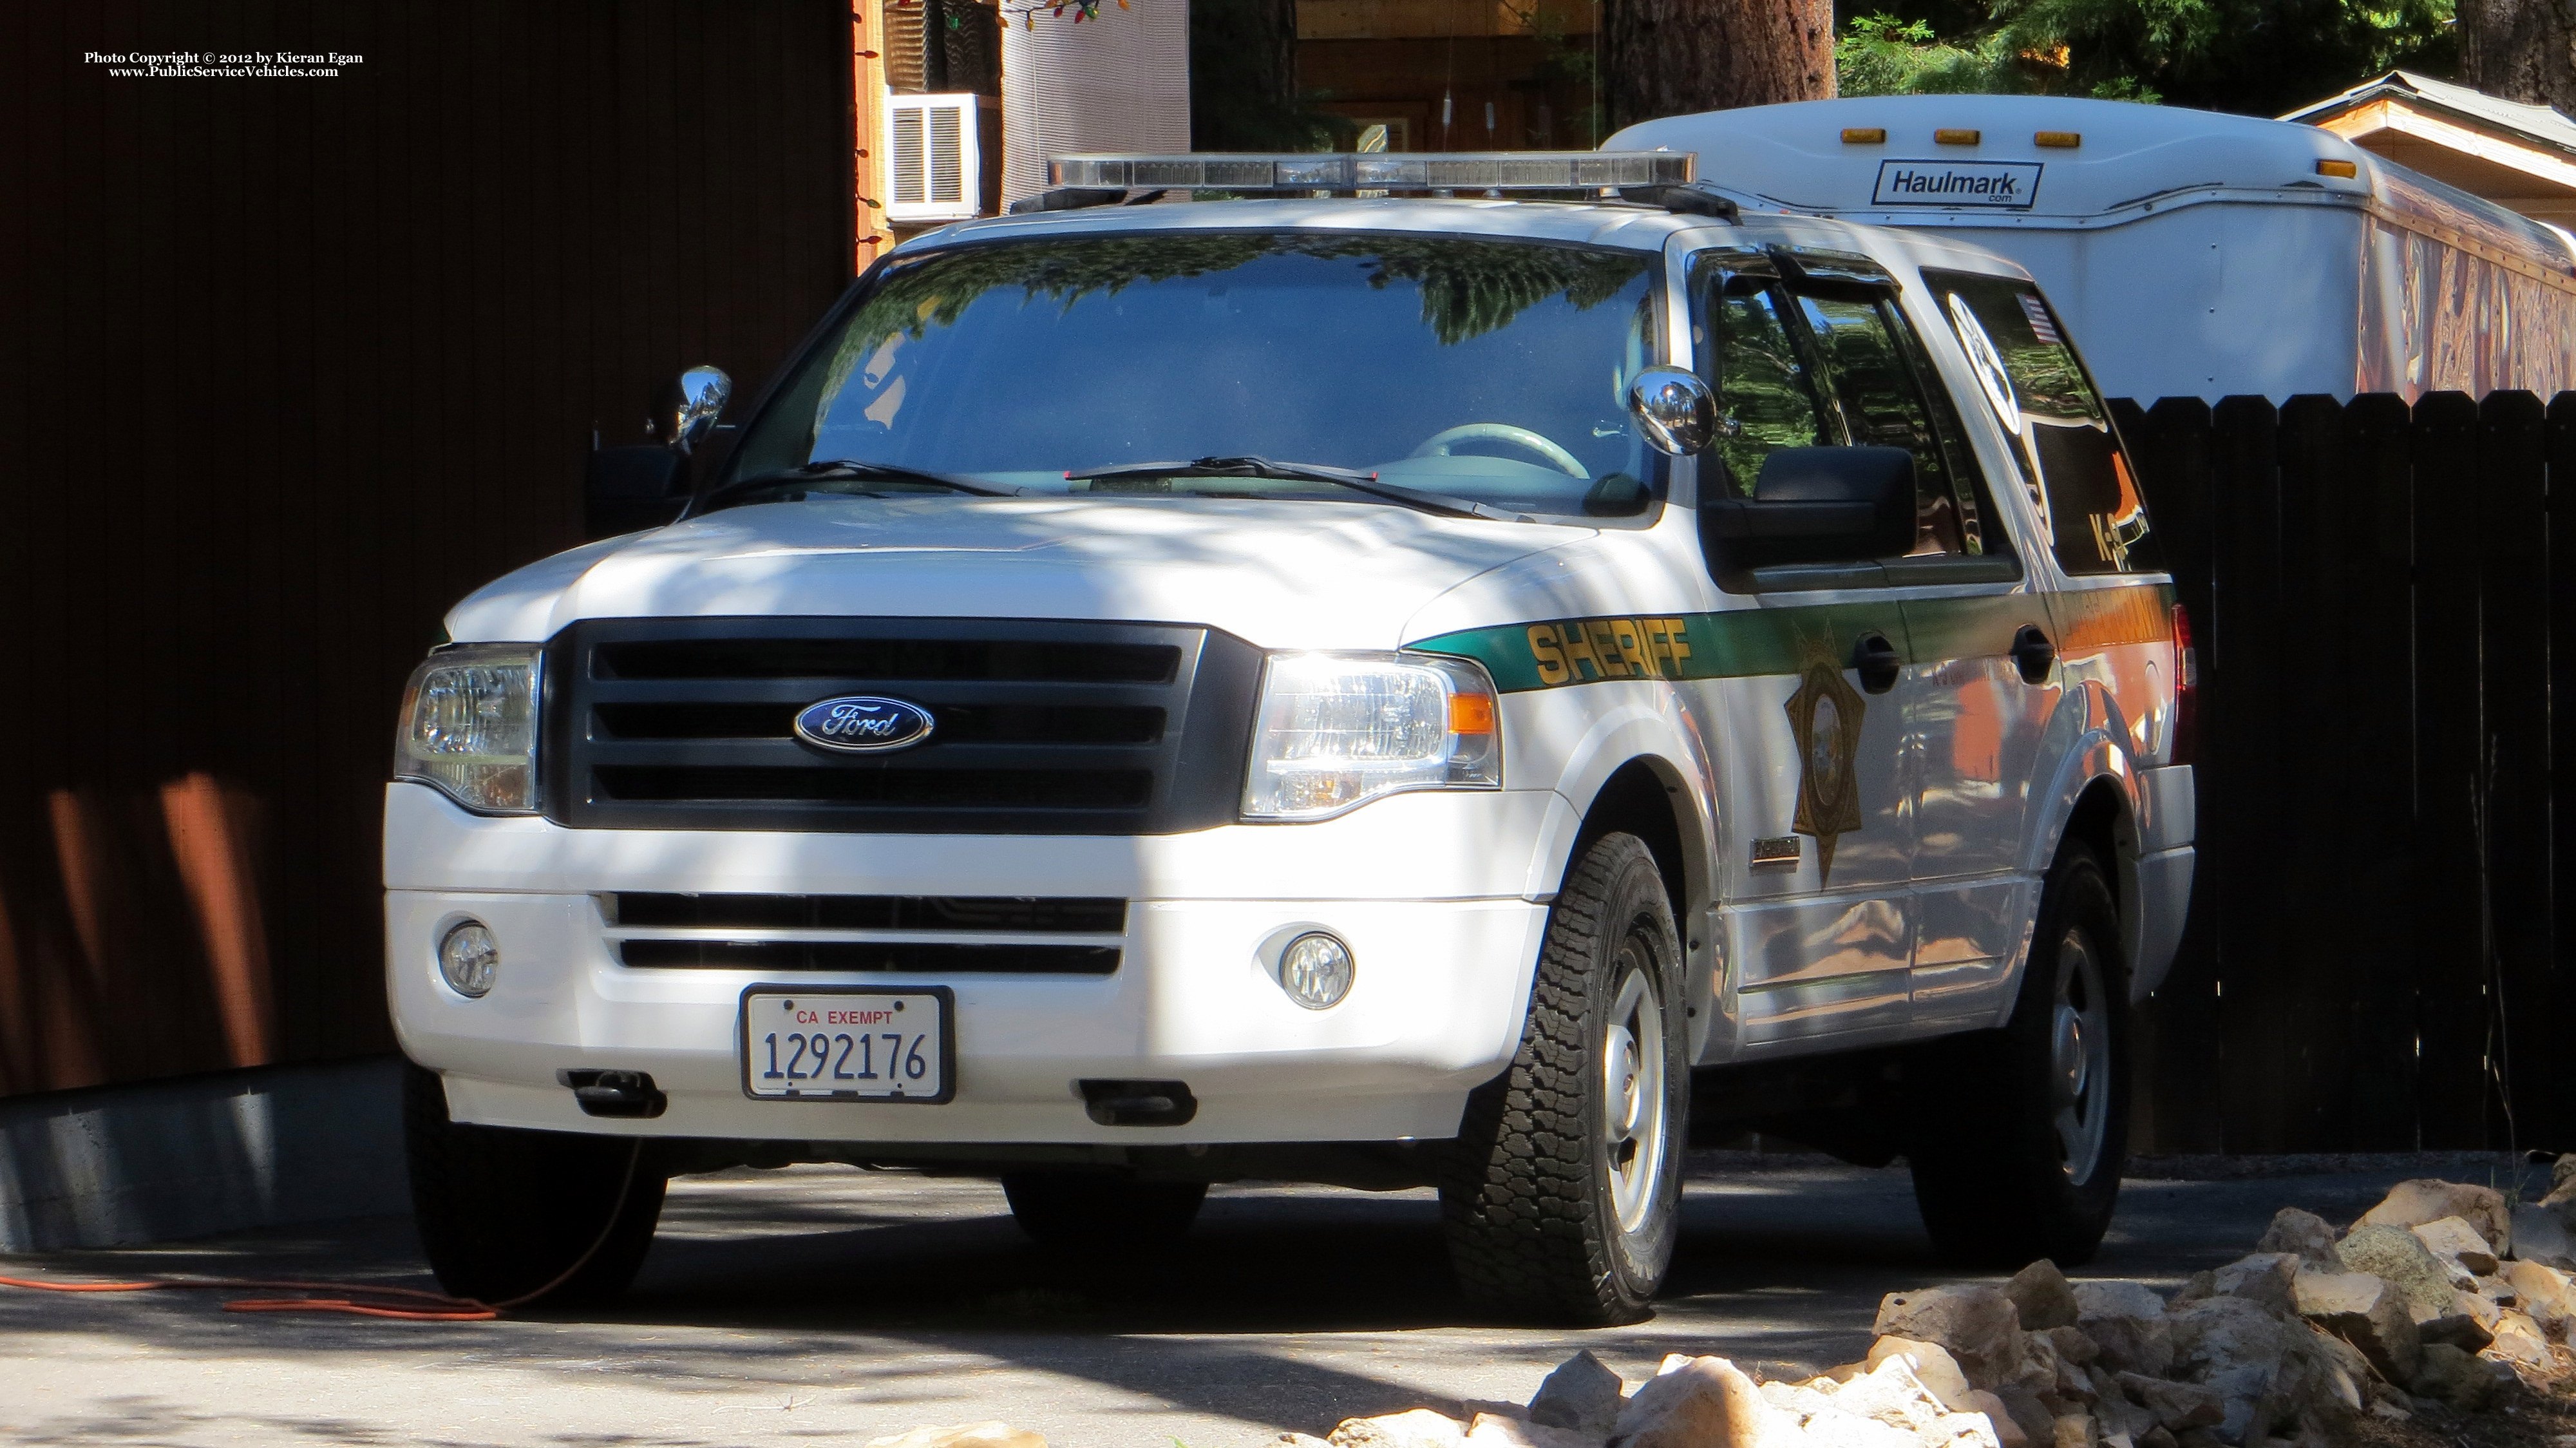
[2203,254]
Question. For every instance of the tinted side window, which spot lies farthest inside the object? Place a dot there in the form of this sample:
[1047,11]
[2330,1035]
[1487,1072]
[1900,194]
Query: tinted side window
[2070,460]
[1766,399]
[1976,506]
[1883,405]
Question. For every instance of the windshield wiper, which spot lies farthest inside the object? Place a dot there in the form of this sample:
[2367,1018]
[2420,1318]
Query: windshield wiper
[1260,467]
[832,470]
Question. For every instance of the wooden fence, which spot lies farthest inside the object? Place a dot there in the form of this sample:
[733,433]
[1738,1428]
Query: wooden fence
[295,364]
[2372,960]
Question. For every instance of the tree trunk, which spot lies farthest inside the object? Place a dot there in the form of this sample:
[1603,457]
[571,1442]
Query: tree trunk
[1669,57]
[1281,37]
[1243,77]
[2520,50]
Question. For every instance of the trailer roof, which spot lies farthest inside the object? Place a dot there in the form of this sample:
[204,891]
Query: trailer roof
[2091,157]
[2052,162]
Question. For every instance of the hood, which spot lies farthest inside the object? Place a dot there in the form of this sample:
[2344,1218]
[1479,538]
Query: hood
[1277,574]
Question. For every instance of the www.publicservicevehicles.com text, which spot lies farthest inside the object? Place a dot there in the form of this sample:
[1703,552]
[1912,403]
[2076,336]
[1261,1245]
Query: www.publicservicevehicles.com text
[254,63]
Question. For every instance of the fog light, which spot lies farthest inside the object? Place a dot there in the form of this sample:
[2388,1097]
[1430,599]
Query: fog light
[469,958]
[1316,971]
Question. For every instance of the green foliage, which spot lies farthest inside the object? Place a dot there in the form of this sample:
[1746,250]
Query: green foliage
[2257,56]
[1881,55]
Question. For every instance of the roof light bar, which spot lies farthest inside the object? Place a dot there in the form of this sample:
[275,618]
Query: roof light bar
[1376,171]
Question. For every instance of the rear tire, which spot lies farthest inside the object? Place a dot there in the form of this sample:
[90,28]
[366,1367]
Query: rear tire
[1078,1211]
[2023,1132]
[1562,1198]
[501,1212]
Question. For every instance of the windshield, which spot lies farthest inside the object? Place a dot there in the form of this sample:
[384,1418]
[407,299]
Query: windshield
[1488,372]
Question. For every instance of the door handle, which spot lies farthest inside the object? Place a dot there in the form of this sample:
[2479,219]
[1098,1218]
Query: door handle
[2034,654]
[1877,663]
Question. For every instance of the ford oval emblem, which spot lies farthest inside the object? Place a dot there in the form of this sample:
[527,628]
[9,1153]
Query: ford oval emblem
[863,724]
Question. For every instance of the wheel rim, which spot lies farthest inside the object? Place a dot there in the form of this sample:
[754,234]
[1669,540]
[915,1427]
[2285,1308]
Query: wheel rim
[1632,1087]
[2079,1058]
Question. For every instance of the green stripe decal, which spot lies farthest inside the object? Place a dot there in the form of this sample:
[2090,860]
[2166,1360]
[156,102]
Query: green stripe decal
[1736,644]
[1759,641]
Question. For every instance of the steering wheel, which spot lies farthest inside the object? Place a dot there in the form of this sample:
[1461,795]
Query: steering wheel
[1440,444]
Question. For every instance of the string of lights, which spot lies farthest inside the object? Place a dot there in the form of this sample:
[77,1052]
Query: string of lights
[1027,14]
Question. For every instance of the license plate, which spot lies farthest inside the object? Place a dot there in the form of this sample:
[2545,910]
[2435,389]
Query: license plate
[839,1044]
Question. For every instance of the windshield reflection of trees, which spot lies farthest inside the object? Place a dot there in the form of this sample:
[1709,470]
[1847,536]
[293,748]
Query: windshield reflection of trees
[1468,287]
[1768,397]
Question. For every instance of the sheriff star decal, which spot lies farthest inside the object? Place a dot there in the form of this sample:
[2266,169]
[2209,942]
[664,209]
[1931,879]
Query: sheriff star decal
[1824,722]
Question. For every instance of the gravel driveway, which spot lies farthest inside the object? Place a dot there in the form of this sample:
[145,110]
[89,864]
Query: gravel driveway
[825,1303]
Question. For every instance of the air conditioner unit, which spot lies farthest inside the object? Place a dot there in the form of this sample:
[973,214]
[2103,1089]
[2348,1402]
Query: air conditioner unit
[934,171]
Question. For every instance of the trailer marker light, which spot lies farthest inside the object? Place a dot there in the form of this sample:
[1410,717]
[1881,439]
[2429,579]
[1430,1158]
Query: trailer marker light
[2338,168]
[1864,136]
[1958,138]
[2063,140]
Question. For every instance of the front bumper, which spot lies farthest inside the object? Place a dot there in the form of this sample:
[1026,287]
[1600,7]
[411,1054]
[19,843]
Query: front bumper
[1443,974]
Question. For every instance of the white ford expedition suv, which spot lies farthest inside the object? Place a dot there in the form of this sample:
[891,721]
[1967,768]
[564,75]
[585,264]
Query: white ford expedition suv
[1465,687]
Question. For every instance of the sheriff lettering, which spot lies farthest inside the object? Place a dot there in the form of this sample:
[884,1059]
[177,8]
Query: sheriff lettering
[1581,650]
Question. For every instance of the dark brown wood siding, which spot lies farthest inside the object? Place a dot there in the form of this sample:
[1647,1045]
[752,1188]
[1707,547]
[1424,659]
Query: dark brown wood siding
[292,365]
[2374,960]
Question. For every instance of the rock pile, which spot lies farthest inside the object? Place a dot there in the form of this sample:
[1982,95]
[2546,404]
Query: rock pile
[2438,1295]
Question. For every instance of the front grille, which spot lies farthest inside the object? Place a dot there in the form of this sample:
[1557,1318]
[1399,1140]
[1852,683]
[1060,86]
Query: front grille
[1098,789]
[1019,914]
[1042,727]
[902,956]
[1008,724]
[880,658]
[780,927]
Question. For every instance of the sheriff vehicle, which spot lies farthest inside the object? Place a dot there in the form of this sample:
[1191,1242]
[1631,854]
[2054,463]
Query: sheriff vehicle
[1426,671]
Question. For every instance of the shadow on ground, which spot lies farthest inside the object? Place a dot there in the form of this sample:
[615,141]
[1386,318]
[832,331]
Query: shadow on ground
[897,1299]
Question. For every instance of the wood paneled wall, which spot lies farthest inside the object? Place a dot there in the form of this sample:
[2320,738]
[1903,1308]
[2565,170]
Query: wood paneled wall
[293,364]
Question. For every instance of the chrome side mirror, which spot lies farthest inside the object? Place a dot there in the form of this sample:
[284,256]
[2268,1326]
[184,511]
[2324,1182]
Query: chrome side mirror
[1674,408]
[690,406]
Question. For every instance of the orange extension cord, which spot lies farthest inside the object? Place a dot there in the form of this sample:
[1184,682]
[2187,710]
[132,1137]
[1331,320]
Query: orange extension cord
[357,1301]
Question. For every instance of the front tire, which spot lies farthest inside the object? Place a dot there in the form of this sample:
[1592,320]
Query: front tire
[502,1213]
[2018,1151]
[1562,1197]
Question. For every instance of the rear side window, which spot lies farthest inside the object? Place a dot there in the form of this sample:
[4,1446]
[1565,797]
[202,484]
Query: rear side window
[2070,460]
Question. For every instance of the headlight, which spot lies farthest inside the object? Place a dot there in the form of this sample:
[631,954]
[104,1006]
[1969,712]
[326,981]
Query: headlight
[469,727]
[1338,730]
